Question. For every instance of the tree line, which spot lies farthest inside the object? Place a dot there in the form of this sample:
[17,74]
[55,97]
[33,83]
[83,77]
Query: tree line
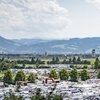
[20,76]
[63,75]
[72,60]
[73,76]
[6,64]
[32,61]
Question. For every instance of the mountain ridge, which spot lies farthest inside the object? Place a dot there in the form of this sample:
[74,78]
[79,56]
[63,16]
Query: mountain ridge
[73,45]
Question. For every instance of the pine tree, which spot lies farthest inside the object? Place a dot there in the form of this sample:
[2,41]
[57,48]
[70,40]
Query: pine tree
[74,59]
[31,78]
[7,77]
[74,75]
[63,74]
[84,75]
[78,59]
[20,76]
[96,63]
[53,74]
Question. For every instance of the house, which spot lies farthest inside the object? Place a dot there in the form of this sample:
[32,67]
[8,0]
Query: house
[49,80]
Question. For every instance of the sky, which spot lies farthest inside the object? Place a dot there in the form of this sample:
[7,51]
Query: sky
[49,19]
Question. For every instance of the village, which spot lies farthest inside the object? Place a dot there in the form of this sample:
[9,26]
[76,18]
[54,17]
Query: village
[49,49]
[50,77]
[87,90]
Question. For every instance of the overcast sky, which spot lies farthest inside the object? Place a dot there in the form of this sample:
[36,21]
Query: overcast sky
[49,19]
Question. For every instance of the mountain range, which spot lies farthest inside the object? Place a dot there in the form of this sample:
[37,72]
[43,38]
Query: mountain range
[74,45]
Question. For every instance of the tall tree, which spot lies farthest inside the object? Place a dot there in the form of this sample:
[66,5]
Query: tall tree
[20,76]
[32,60]
[63,74]
[7,77]
[38,62]
[57,59]
[74,75]
[70,60]
[96,63]
[78,59]
[31,78]
[74,59]
[53,74]
[84,75]
[53,59]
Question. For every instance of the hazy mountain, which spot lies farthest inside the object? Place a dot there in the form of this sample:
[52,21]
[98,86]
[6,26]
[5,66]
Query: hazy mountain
[75,45]
[29,41]
[8,46]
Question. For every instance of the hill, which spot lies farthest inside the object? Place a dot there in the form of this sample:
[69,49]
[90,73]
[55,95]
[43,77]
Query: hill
[74,45]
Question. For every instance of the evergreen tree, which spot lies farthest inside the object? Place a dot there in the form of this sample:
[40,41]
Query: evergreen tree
[78,59]
[84,75]
[70,60]
[37,62]
[7,77]
[20,76]
[74,59]
[96,63]
[63,74]
[74,75]
[53,60]
[32,60]
[53,74]
[31,78]
[57,59]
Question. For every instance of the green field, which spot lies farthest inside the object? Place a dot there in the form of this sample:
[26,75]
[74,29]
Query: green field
[92,60]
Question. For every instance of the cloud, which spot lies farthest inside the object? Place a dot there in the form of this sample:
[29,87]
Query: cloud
[33,19]
[96,3]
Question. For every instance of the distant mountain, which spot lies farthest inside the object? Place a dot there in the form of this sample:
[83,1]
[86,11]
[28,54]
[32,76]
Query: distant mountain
[75,45]
[8,46]
[29,41]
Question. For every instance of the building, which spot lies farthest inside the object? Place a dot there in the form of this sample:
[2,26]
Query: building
[49,80]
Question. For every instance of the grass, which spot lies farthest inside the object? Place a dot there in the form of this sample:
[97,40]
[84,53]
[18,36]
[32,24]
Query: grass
[46,60]
[92,60]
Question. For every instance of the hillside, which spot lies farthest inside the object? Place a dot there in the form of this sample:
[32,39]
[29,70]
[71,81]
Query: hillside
[75,45]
